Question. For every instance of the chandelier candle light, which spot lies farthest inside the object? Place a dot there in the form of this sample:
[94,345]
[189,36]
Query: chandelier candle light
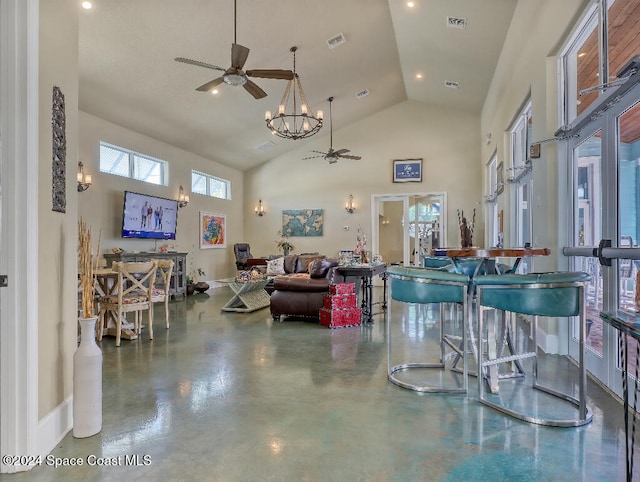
[296,124]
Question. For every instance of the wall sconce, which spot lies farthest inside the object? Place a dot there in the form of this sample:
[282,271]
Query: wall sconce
[84,180]
[183,199]
[259,209]
[350,207]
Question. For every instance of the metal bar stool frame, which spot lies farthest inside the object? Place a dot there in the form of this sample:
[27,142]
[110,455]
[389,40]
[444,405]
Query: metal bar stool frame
[425,276]
[585,415]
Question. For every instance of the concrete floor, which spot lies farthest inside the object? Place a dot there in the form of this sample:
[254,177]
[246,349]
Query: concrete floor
[235,397]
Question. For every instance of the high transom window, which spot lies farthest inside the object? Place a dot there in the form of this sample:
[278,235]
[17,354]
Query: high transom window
[126,163]
[209,185]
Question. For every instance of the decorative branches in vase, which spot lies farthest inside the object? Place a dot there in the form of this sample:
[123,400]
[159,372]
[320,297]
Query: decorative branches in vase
[87,359]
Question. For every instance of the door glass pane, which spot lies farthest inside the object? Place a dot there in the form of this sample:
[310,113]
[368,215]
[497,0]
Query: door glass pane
[585,58]
[628,158]
[424,226]
[390,231]
[624,41]
[588,230]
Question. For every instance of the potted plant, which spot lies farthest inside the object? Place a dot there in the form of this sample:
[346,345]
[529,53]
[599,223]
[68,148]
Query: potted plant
[284,244]
[193,284]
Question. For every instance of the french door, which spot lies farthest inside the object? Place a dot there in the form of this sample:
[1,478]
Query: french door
[604,173]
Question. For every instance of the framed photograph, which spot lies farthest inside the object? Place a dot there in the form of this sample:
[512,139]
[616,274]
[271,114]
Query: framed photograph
[213,230]
[407,170]
[500,178]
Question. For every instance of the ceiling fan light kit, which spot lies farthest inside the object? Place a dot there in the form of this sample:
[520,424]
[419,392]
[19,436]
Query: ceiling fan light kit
[294,119]
[234,75]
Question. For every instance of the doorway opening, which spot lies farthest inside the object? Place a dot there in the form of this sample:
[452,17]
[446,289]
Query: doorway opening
[405,227]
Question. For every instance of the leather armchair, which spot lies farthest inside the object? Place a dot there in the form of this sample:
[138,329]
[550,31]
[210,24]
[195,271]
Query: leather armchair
[242,252]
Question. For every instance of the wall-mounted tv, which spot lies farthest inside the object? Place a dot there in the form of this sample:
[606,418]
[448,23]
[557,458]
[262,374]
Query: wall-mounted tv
[149,217]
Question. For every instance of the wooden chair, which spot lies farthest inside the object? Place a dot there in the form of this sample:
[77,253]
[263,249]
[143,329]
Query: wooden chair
[133,293]
[161,286]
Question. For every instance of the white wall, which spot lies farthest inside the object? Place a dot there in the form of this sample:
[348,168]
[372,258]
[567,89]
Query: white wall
[446,139]
[528,65]
[101,205]
[57,234]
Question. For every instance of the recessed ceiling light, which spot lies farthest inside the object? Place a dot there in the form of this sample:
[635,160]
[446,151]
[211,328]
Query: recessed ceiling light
[418,76]
[87,5]
[214,91]
[411,4]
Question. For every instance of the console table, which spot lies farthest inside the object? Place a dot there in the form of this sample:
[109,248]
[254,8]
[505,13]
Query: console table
[178,285]
[366,273]
[628,324]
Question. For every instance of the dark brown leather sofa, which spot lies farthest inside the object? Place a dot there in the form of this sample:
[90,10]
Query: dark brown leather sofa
[302,296]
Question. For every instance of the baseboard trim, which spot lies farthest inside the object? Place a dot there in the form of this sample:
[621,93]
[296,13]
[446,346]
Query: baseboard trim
[54,426]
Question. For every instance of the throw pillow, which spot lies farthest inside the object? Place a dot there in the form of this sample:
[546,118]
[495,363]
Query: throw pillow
[275,267]
[320,268]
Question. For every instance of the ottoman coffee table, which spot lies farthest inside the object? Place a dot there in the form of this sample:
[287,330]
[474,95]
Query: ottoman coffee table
[247,295]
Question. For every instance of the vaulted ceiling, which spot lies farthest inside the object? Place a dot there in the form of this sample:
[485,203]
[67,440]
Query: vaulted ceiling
[128,75]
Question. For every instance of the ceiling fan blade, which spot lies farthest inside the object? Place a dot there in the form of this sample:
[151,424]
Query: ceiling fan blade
[239,54]
[210,85]
[320,152]
[312,157]
[198,63]
[341,151]
[271,74]
[254,90]
[355,158]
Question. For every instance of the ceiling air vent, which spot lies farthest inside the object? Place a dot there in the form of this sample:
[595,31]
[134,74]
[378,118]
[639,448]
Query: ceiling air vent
[457,22]
[336,41]
[267,146]
[362,93]
[451,84]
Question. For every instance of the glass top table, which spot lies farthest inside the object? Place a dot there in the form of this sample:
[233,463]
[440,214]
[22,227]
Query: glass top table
[247,295]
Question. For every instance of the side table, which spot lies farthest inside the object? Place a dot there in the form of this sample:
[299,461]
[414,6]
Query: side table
[628,324]
[366,274]
[247,295]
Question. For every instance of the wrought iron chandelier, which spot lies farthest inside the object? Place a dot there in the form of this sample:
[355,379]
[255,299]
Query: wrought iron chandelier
[300,121]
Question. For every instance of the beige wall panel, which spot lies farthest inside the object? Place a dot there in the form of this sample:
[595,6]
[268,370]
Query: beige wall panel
[447,140]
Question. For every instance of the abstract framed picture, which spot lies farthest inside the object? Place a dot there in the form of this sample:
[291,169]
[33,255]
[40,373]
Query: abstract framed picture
[213,230]
[407,170]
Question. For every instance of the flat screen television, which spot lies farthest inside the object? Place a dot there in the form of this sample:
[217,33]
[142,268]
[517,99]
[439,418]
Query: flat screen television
[149,217]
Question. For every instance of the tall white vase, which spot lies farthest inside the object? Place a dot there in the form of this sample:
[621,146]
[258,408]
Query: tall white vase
[87,382]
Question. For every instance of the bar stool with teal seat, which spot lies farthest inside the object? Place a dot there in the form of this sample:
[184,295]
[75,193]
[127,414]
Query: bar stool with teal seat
[560,294]
[421,285]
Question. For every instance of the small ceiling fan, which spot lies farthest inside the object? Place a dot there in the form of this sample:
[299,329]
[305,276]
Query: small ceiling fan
[234,75]
[331,155]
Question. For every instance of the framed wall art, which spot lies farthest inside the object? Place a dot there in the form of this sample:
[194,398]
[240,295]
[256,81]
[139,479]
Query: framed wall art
[59,152]
[303,222]
[213,230]
[407,170]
